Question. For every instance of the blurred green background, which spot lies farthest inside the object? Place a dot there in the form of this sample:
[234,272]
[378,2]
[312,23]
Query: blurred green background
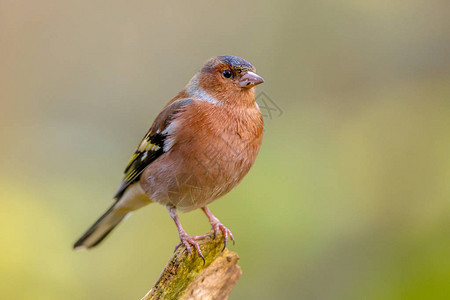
[348,199]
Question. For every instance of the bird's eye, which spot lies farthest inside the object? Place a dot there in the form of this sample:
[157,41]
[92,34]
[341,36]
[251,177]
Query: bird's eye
[227,74]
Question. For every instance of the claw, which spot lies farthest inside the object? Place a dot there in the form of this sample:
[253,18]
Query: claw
[219,227]
[187,241]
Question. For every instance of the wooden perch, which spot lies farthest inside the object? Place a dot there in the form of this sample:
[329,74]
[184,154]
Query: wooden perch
[187,277]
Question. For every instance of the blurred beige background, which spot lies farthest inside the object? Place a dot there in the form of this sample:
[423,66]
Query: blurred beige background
[349,197]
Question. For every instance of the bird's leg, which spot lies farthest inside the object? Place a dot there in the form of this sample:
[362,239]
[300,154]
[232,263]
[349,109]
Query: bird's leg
[217,226]
[185,239]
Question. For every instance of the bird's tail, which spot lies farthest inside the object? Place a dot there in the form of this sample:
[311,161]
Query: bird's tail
[94,235]
[133,198]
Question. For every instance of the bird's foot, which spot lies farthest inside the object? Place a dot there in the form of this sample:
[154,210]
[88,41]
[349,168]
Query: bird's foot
[187,241]
[219,227]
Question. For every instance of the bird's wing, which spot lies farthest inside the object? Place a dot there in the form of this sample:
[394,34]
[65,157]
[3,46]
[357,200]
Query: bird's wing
[151,146]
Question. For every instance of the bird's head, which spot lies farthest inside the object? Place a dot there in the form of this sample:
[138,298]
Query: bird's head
[229,79]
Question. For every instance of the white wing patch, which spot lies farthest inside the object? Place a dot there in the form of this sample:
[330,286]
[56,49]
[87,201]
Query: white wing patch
[170,140]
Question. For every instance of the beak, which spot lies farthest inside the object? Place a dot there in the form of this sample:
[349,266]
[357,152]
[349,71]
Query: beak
[250,79]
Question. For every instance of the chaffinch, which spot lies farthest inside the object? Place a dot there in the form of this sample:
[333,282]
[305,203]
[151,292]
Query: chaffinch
[199,148]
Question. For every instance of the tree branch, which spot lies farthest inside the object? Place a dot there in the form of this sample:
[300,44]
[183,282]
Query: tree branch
[187,277]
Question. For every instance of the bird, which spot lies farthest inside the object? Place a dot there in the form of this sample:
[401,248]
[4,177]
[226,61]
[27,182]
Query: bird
[199,147]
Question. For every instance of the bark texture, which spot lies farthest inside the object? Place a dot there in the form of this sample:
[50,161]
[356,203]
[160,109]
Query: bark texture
[187,277]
